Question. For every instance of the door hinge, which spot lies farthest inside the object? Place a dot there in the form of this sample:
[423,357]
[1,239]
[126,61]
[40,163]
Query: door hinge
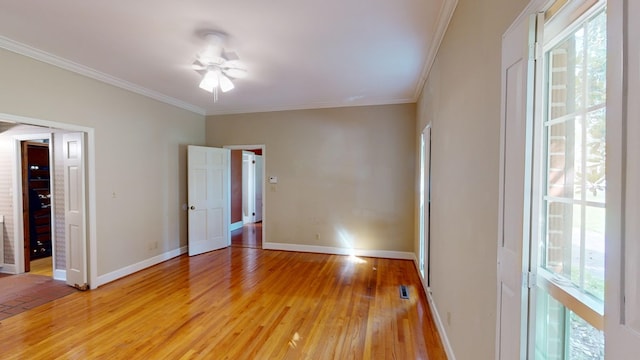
[529,279]
[537,51]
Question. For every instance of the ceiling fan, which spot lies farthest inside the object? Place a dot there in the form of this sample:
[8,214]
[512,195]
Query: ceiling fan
[217,66]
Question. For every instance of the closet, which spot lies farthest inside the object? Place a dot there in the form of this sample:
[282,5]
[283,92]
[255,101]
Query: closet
[36,192]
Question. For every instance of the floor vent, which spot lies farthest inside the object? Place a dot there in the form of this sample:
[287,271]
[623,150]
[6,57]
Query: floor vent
[404,292]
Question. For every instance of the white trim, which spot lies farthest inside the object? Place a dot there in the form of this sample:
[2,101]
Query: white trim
[128,270]
[311,106]
[567,20]
[18,205]
[434,312]
[59,274]
[91,206]
[424,222]
[91,182]
[236,225]
[69,65]
[444,18]
[440,326]
[8,269]
[387,254]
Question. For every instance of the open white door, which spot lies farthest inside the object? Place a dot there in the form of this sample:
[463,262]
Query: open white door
[208,198]
[74,206]
[514,189]
[259,180]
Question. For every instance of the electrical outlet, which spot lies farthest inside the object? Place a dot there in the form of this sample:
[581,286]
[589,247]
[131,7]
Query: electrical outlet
[317,236]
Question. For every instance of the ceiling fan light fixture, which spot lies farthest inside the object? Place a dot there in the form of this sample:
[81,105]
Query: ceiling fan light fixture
[217,65]
[210,81]
[225,83]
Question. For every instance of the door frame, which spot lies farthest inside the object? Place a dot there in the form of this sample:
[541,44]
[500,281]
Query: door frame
[90,173]
[264,183]
[18,181]
[424,247]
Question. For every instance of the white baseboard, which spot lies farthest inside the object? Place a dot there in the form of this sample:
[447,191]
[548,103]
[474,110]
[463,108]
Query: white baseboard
[8,269]
[339,251]
[236,225]
[128,270]
[60,274]
[440,326]
[436,315]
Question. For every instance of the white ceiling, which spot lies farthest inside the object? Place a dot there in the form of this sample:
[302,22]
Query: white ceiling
[300,54]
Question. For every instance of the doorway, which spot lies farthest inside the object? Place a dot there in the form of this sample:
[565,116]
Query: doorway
[247,188]
[37,206]
[71,178]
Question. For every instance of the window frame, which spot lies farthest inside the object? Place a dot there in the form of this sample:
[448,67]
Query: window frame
[556,29]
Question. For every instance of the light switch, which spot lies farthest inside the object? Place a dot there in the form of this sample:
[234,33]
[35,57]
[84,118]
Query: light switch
[273,179]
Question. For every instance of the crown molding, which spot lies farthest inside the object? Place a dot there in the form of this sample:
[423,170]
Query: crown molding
[28,51]
[310,106]
[444,18]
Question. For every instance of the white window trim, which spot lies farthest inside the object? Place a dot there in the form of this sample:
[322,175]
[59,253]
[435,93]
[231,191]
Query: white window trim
[561,289]
[572,297]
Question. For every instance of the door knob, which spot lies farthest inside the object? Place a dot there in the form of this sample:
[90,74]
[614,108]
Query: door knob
[192,207]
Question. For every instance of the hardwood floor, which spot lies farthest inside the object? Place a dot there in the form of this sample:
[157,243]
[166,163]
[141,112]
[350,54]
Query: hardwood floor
[42,266]
[249,235]
[237,303]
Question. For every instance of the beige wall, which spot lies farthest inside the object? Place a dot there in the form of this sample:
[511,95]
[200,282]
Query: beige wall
[462,100]
[140,154]
[345,174]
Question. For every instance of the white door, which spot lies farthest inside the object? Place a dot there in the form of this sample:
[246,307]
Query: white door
[74,206]
[248,188]
[515,184]
[259,181]
[208,198]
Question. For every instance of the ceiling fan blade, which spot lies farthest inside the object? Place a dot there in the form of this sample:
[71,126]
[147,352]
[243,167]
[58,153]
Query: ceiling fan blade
[197,66]
[230,56]
[234,69]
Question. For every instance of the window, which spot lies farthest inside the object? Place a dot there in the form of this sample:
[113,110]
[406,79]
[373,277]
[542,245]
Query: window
[570,296]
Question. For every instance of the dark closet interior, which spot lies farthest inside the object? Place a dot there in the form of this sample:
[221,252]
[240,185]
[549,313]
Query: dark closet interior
[36,201]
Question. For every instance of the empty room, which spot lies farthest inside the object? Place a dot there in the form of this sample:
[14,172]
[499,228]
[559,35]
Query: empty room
[436,179]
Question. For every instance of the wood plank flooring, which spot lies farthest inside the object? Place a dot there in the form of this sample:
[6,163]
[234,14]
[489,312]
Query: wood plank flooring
[42,267]
[249,235]
[237,303]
